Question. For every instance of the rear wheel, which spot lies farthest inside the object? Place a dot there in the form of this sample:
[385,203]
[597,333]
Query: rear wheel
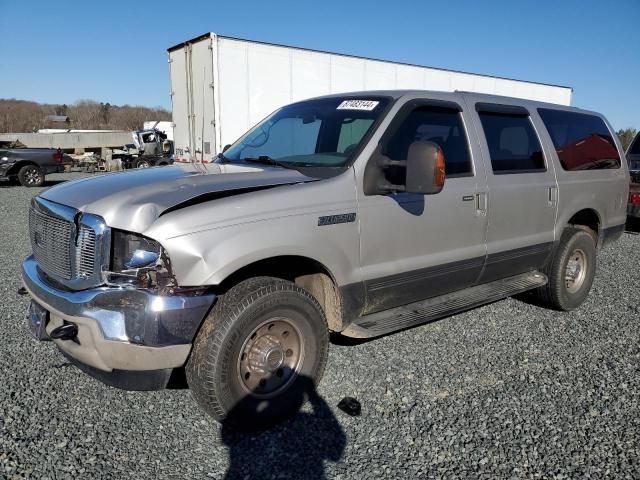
[31,176]
[258,352]
[571,270]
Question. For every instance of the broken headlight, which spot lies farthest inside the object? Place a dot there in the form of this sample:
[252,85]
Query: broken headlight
[137,261]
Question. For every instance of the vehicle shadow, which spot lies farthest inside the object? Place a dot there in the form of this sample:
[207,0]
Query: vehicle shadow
[632,226]
[296,448]
[52,183]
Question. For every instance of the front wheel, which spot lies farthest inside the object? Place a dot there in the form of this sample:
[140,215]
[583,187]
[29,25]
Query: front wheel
[31,176]
[143,164]
[571,270]
[258,353]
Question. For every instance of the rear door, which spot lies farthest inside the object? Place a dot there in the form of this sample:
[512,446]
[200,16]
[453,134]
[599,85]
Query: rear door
[522,197]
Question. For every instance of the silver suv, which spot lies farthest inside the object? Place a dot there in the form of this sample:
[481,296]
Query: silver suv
[361,214]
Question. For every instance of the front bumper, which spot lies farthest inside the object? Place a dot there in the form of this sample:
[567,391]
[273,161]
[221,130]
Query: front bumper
[119,328]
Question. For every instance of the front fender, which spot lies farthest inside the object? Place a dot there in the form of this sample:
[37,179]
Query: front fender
[207,258]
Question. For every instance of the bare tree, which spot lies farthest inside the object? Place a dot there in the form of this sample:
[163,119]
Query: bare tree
[626,136]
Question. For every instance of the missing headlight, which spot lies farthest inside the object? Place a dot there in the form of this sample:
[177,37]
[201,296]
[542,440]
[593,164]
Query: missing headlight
[138,261]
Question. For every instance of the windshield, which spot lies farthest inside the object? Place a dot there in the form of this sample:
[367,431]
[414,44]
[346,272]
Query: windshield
[315,133]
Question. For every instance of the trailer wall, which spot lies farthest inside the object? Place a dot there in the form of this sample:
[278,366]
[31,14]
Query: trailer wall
[223,86]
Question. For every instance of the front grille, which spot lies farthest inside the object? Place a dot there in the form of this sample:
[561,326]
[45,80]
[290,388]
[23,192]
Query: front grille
[51,239]
[85,252]
[70,247]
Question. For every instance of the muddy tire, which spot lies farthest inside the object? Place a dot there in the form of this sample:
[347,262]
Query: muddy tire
[259,352]
[31,176]
[571,270]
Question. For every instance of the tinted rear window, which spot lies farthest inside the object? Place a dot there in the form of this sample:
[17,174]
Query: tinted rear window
[513,144]
[582,141]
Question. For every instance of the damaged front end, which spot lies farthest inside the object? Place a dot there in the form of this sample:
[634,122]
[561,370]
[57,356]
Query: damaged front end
[127,312]
[139,262]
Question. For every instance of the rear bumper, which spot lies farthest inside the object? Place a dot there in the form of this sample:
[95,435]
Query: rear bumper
[633,211]
[120,329]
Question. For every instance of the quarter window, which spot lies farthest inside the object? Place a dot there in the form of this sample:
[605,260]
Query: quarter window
[439,125]
[582,141]
[513,144]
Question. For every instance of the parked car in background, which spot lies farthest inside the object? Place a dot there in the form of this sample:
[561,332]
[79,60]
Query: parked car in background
[633,157]
[29,166]
[362,213]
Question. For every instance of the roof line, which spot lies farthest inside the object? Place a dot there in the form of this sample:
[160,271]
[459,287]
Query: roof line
[209,34]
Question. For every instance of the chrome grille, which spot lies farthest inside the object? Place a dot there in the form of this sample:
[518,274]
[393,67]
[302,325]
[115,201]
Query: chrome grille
[51,239]
[69,246]
[85,252]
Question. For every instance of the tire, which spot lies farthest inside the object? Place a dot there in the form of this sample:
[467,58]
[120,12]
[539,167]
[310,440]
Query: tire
[571,270]
[260,350]
[31,176]
[143,164]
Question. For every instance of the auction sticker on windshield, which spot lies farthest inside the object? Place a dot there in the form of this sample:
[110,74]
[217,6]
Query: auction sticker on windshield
[358,105]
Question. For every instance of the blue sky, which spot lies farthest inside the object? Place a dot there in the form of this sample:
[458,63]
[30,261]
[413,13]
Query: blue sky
[115,51]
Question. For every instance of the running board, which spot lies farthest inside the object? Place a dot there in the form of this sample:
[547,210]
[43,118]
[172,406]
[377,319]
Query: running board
[387,321]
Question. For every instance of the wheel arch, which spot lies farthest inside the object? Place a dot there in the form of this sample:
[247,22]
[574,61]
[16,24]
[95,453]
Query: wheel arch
[587,218]
[305,272]
[15,168]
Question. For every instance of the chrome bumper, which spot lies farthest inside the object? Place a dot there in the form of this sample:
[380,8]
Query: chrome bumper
[120,328]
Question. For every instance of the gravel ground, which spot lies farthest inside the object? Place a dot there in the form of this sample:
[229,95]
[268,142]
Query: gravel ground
[507,390]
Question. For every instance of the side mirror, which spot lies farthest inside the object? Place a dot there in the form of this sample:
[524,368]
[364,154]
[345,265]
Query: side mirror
[424,171]
[425,168]
[226,147]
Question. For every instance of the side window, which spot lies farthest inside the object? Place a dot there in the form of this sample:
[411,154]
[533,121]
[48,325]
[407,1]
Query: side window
[439,125]
[582,141]
[513,144]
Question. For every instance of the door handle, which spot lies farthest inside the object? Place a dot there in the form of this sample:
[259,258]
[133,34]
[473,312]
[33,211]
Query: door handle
[552,196]
[481,204]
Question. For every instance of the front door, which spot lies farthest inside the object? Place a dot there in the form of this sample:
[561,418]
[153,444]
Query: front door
[413,246]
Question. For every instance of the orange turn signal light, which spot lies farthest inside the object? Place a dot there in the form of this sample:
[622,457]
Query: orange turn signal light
[439,169]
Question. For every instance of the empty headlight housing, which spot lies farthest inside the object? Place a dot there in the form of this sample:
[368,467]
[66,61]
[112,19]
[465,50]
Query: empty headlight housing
[137,261]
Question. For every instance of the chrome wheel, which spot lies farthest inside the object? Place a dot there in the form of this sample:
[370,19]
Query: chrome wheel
[575,271]
[271,357]
[32,176]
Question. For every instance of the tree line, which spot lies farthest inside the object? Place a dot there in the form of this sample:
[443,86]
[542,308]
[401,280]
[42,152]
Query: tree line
[17,116]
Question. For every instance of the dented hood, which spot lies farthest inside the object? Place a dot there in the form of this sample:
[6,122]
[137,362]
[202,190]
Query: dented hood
[134,200]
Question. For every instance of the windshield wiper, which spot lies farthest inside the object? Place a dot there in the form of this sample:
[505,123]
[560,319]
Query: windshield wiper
[266,160]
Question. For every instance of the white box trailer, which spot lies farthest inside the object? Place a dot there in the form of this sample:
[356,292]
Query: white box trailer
[222,86]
